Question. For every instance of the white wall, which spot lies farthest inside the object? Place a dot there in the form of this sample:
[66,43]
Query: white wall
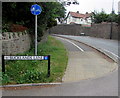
[87,21]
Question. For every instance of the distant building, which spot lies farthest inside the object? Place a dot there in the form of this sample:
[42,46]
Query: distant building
[78,18]
[60,20]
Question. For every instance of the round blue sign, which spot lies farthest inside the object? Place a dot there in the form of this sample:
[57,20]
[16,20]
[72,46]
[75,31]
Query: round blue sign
[45,57]
[35,9]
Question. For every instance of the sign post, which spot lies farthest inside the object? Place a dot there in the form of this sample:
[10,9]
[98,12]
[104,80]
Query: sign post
[35,10]
[3,64]
[48,65]
[35,34]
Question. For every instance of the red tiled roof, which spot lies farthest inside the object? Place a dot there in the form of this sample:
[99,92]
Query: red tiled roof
[72,22]
[79,15]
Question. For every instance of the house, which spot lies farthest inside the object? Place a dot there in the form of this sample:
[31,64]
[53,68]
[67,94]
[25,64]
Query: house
[60,20]
[78,18]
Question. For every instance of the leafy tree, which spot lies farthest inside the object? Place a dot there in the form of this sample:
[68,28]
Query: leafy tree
[19,13]
[119,19]
[100,17]
[103,17]
[113,17]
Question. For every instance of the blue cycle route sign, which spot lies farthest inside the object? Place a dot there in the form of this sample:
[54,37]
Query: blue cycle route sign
[35,9]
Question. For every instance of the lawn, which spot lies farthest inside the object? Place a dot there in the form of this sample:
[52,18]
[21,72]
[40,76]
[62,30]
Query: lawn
[19,72]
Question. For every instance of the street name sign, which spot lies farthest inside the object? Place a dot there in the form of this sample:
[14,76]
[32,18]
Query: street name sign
[25,58]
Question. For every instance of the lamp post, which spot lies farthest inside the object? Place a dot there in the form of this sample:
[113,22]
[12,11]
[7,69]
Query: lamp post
[111,29]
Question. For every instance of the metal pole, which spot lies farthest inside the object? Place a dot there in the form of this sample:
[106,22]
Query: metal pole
[48,65]
[35,34]
[111,31]
[3,64]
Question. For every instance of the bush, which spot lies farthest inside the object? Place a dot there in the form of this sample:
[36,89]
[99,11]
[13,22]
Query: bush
[6,78]
[17,28]
[6,28]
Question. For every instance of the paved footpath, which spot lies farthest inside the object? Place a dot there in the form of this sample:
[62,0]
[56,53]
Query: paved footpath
[87,64]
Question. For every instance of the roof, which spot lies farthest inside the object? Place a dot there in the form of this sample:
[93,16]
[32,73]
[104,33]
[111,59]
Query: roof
[79,15]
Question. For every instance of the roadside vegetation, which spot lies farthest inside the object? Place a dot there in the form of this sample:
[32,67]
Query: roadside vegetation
[99,17]
[36,71]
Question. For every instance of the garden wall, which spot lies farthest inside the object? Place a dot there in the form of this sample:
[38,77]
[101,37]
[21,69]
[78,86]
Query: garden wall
[96,30]
[13,43]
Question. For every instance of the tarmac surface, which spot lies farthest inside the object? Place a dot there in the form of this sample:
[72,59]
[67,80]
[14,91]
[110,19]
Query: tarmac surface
[85,63]
[107,46]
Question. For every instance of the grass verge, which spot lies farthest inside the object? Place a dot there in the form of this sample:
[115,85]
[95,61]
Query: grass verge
[18,72]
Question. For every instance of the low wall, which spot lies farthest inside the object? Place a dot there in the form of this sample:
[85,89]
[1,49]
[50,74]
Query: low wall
[97,30]
[13,43]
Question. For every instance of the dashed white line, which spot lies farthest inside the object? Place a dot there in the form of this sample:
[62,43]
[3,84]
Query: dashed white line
[73,44]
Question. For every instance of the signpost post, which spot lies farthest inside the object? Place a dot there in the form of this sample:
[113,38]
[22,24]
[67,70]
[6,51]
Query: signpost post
[35,34]
[36,10]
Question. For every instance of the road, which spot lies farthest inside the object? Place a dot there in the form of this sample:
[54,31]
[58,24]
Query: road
[105,85]
[108,46]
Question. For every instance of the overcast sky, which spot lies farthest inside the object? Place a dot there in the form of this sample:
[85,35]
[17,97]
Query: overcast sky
[91,5]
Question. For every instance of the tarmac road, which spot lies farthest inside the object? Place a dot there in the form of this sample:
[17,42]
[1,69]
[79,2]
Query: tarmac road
[109,47]
[105,84]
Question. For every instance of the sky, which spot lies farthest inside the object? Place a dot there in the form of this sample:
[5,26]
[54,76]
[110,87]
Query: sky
[91,5]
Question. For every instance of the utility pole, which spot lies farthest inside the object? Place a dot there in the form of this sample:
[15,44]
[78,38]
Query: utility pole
[111,29]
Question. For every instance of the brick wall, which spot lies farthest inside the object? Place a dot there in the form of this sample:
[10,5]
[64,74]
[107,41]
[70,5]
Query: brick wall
[97,30]
[13,43]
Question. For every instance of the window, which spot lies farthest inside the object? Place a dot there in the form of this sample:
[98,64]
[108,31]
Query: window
[74,19]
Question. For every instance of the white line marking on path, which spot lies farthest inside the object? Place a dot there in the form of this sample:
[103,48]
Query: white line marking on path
[112,53]
[73,44]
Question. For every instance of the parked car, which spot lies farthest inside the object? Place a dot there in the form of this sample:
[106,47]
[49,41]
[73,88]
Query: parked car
[82,34]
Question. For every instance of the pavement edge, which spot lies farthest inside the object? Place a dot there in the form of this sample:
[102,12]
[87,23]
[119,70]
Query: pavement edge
[31,84]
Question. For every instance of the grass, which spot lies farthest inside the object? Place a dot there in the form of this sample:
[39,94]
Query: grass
[18,72]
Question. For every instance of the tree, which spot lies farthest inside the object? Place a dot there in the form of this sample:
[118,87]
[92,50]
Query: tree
[100,17]
[19,13]
[119,19]
[103,17]
[51,11]
[113,18]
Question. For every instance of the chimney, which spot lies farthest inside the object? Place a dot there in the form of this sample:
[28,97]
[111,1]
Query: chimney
[86,12]
[77,11]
